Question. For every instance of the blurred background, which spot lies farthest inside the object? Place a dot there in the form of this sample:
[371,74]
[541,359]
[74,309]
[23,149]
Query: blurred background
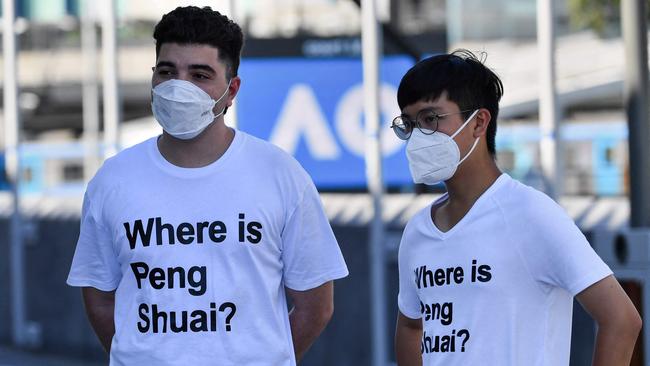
[76,87]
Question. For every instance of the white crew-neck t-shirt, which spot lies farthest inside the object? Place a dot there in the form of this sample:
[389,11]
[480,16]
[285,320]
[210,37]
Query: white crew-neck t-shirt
[496,289]
[200,257]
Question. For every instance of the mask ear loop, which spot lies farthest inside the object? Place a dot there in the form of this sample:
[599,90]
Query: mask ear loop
[218,100]
[470,151]
[464,124]
[460,129]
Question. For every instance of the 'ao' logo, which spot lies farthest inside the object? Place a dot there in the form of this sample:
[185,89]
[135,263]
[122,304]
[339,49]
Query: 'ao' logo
[301,117]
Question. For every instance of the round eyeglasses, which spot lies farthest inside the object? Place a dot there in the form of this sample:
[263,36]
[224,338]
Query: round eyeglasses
[426,121]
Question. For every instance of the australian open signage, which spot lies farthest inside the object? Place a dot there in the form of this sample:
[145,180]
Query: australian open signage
[313,109]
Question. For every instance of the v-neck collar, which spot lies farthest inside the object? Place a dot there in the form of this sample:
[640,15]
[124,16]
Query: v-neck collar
[488,192]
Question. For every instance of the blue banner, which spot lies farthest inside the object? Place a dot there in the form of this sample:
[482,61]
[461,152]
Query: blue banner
[313,109]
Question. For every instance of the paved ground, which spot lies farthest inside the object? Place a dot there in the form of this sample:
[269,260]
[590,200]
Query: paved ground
[13,357]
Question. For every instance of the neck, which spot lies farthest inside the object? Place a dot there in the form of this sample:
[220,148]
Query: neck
[473,178]
[200,151]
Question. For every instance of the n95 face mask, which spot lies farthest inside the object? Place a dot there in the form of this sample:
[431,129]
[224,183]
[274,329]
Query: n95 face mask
[183,109]
[434,158]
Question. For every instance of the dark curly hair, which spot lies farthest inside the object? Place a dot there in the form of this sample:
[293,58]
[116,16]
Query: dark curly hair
[203,26]
[467,81]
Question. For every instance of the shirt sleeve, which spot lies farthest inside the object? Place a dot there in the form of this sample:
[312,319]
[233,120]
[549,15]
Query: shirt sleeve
[95,262]
[556,251]
[408,301]
[310,252]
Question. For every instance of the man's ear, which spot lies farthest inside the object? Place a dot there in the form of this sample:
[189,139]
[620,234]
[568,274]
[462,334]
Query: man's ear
[233,89]
[483,119]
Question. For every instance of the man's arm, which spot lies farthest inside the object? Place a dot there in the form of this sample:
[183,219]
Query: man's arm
[312,310]
[100,307]
[408,335]
[618,322]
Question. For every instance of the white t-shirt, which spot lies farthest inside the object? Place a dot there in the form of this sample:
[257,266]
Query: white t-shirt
[497,289]
[200,257]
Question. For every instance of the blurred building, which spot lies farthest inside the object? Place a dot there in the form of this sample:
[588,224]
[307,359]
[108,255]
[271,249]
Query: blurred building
[324,35]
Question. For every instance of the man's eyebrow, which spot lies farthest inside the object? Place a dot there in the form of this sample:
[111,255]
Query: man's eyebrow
[191,67]
[433,109]
[165,63]
[202,67]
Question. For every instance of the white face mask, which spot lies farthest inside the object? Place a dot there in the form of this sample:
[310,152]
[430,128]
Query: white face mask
[183,109]
[434,158]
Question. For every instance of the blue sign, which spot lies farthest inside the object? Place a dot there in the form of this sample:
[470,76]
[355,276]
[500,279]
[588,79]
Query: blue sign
[4,185]
[313,109]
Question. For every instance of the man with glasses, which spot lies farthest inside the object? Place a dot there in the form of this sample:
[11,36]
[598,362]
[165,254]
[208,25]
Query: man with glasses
[192,241]
[488,272]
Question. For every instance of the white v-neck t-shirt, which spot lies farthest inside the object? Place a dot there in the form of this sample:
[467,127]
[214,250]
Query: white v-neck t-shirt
[199,258]
[496,289]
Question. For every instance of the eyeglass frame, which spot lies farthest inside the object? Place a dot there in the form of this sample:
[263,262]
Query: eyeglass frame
[425,131]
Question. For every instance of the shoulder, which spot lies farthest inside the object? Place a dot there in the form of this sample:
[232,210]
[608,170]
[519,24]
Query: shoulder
[127,157]
[267,150]
[420,221]
[533,213]
[117,168]
[418,230]
[519,200]
[266,155]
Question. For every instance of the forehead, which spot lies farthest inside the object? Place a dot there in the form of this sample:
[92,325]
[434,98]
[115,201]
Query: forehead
[441,105]
[189,54]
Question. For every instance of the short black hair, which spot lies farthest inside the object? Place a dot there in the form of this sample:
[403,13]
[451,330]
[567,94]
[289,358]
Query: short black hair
[467,81]
[202,26]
